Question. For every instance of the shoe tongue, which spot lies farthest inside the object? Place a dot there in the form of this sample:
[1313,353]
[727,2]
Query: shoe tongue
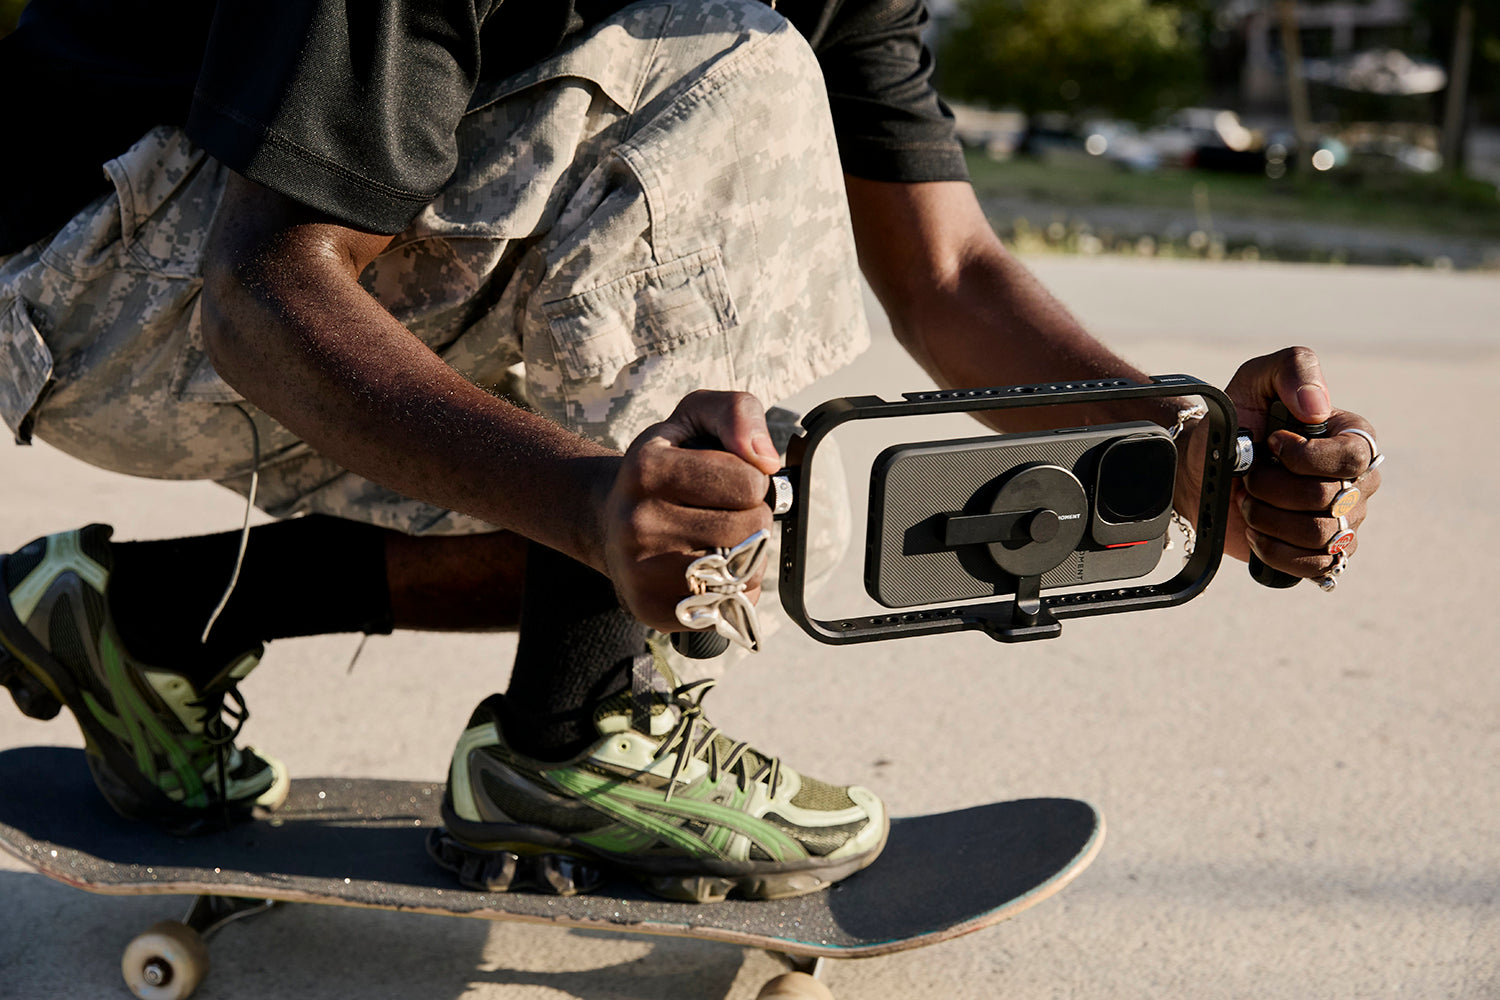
[663,668]
[615,715]
[237,670]
[652,683]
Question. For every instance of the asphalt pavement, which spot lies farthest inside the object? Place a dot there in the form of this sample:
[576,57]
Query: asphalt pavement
[1301,788]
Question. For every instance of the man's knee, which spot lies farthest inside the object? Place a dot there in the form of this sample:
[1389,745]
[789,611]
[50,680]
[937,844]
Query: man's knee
[712,45]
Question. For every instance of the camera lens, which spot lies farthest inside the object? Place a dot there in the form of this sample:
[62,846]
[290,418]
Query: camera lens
[1135,480]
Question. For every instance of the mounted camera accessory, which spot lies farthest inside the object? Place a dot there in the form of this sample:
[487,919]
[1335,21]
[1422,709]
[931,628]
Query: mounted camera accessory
[1026,613]
[969,518]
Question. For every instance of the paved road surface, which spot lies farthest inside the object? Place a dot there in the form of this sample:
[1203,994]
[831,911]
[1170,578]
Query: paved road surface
[1301,789]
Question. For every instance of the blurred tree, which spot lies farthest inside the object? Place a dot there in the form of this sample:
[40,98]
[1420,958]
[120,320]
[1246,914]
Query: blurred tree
[1130,58]
[1441,17]
[1455,112]
[1465,37]
[10,12]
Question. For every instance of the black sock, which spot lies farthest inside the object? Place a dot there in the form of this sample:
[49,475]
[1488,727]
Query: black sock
[308,576]
[576,648]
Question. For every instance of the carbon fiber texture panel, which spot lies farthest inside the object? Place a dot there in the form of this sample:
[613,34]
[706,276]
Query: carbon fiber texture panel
[908,567]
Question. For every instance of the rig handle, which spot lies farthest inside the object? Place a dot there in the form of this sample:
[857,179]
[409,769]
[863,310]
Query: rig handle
[1280,418]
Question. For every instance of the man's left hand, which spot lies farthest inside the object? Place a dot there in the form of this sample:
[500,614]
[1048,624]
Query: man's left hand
[1283,510]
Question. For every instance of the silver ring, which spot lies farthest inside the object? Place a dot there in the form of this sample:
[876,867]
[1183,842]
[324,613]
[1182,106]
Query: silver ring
[1375,455]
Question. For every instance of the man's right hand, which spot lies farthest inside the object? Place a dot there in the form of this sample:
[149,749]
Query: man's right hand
[694,482]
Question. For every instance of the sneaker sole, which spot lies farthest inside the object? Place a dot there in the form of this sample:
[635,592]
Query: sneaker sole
[507,871]
[682,879]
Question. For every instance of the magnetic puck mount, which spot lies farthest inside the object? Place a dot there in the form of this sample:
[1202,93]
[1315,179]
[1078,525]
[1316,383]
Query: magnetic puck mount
[1051,512]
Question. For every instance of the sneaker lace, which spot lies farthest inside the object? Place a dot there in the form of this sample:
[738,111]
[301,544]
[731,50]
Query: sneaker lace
[694,737]
[218,734]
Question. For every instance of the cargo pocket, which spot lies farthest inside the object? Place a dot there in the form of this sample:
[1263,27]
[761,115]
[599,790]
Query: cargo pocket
[624,353]
[597,333]
[27,362]
[168,193]
[196,380]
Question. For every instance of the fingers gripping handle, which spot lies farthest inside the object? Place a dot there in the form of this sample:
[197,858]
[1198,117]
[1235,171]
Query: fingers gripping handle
[1279,418]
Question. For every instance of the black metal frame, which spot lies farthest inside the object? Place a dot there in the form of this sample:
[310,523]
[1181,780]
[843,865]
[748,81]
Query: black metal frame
[1029,614]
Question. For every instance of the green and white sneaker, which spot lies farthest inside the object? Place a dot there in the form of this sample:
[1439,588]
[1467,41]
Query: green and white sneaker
[159,748]
[692,813]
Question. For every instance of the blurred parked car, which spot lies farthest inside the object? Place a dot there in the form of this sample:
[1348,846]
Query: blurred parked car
[1210,138]
[1047,132]
[1121,143]
[998,133]
[1390,72]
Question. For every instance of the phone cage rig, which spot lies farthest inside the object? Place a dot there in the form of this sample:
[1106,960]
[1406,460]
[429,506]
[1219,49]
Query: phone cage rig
[1029,614]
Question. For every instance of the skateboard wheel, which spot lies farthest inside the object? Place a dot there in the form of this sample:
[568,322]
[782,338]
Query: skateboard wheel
[794,986]
[165,963]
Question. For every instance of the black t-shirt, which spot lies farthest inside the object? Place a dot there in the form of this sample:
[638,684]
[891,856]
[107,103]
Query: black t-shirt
[350,106]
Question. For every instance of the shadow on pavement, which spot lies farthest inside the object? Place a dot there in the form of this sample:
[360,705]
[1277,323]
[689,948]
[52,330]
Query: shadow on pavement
[60,942]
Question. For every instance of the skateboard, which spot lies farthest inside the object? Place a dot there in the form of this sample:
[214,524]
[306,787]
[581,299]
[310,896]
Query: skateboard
[360,842]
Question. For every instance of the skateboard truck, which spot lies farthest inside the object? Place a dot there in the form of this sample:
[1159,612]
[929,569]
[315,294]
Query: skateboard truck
[169,959]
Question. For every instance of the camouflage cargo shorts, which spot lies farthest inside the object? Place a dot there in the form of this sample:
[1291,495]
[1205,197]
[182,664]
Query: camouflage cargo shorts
[657,209]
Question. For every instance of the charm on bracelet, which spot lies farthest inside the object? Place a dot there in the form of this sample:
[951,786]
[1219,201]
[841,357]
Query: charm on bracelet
[716,585]
[1330,580]
[1346,499]
[1342,539]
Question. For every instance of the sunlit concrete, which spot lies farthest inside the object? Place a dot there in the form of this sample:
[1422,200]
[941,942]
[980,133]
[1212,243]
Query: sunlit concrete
[1301,788]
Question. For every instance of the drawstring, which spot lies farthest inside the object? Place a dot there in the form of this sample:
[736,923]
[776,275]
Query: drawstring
[219,734]
[239,559]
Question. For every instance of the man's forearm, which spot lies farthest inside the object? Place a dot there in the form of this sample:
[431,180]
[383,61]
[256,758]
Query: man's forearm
[288,324]
[974,317]
[969,312]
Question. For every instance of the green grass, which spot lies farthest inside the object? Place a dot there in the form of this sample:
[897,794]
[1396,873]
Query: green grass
[1434,203]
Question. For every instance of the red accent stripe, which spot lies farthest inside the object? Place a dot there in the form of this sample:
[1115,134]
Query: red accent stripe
[1126,545]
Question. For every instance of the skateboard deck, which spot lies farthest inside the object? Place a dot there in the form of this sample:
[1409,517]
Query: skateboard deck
[359,842]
